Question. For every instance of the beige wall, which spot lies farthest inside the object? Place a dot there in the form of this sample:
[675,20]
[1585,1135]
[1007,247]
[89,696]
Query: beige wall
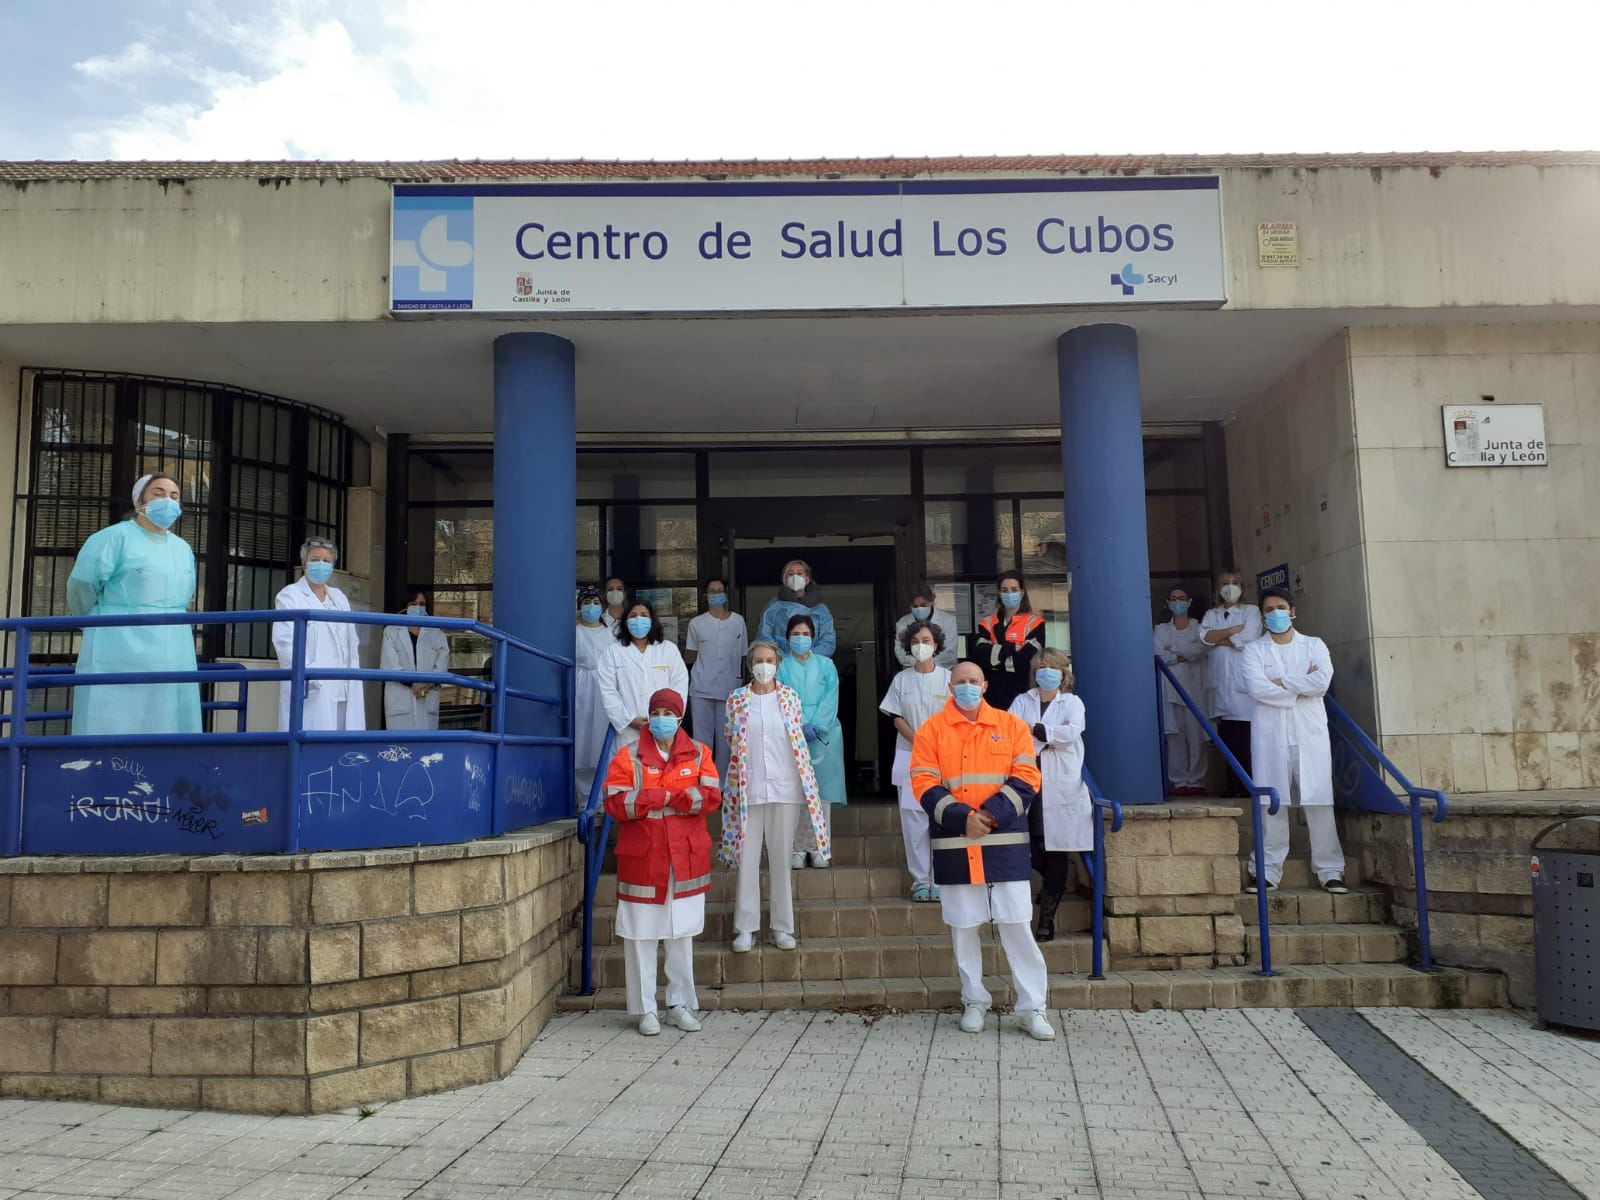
[1294,498]
[1485,582]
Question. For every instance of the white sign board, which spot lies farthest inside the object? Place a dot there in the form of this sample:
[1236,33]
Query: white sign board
[541,251]
[1495,435]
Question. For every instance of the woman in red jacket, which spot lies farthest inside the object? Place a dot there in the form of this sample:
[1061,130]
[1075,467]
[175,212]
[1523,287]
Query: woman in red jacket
[659,791]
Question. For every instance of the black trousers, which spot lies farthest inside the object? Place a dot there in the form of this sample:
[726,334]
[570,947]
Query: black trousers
[1235,736]
[1051,864]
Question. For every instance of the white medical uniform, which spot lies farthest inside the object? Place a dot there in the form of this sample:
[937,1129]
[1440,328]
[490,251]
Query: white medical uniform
[966,908]
[774,805]
[719,648]
[1184,652]
[915,697]
[1066,811]
[628,679]
[946,622]
[330,645]
[1228,699]
[1289,746]
[431,653]
[589,722]
[677,923]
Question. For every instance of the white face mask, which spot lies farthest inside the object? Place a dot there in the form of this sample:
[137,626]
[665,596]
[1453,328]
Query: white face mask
[764,672]
[1231,593]
[615,597]
[797,583]
[921,651]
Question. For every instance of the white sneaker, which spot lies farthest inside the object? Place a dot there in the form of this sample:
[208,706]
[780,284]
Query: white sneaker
[1036,1025]
[819,860]
[972,1019]
[743,943]
[797,860]
[648,1025]
[783,941]
[688,1022]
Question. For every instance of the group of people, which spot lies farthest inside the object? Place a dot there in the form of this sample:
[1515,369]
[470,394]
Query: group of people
[140,565]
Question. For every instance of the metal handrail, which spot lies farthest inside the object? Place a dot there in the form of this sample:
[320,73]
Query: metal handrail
[1351,732]
[594,853]
[1097,914]
[1257,794]
[15,683]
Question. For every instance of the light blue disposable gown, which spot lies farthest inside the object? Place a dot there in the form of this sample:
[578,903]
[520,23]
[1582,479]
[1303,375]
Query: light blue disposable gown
[775,624]
[127,569]
[817,681]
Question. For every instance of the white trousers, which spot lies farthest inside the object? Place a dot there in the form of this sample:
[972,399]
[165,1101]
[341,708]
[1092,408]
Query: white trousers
[708,716]
[1327,855]
[1186,748]
[806,837]
[1023,956]
[640,959]
[919,854]
[773,826]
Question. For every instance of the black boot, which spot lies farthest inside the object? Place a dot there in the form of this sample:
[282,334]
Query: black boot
[1047,917]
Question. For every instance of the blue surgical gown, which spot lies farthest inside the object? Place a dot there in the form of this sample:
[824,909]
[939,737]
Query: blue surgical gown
[775,625]
[817,681]
[127,569]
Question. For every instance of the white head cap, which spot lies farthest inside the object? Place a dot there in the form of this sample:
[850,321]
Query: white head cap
[138,488]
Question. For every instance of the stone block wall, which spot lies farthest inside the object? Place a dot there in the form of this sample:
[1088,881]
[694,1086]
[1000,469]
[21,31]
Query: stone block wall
[1172,880]
[291,984]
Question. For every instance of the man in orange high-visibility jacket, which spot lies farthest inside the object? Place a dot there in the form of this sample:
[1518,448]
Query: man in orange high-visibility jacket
[974,772]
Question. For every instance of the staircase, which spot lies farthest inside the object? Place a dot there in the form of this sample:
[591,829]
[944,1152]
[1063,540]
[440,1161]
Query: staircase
[865,945]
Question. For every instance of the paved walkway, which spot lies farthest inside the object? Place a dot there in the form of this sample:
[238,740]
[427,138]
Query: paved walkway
[1132,1106]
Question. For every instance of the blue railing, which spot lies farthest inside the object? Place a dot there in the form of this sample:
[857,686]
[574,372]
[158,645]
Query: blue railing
[594,838]
[1257,794]
[1360,785]
[250,792]
[1103,808]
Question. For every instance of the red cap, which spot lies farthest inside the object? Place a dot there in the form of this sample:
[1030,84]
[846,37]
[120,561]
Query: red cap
[666,698]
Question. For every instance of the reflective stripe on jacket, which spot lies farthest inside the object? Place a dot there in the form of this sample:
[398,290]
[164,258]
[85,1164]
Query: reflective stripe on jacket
[660,805]
[959,766]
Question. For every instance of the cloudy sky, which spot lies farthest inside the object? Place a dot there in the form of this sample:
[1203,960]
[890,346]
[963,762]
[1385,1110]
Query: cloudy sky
[204,79]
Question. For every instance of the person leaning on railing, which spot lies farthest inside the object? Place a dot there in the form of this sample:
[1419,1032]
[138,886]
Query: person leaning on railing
[330,645]
[136,566]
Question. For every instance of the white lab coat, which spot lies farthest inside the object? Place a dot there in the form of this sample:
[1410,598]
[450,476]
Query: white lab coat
[1290,722]
[590,721]
[948,657]
[1229,698]
[1184,651]
[628,679]
[1066,810]
[401,708]
[329,645]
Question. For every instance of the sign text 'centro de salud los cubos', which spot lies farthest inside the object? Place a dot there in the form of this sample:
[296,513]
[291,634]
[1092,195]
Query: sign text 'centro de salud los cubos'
[544,250]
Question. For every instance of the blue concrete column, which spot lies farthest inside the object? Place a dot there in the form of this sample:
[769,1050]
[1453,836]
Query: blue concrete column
[1102,462]
[535,510]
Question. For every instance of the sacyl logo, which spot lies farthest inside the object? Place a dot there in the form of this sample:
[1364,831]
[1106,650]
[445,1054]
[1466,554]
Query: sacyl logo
[433,254]
[1127,279]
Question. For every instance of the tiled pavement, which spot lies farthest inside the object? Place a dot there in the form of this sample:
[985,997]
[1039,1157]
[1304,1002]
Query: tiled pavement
[1134,1106]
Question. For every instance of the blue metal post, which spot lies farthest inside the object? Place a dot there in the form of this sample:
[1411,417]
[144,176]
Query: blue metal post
[535,513]
[1102,460]
[11,819]
[297,714]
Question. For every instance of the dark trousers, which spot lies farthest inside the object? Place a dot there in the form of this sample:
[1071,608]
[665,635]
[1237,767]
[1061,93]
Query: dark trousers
[1051,864]
[1235,736]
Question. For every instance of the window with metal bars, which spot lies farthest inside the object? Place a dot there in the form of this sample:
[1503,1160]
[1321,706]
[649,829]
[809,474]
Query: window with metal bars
[258,475]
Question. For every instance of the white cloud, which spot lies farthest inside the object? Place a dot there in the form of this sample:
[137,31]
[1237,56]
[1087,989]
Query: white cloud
[541,79]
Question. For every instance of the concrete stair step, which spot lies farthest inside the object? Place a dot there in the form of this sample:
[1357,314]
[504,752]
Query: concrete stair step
[833,960]
[830,883]
[849,850]
[1297,872]
[1313,906]
[1367,985]
[1332,944]
[829,918]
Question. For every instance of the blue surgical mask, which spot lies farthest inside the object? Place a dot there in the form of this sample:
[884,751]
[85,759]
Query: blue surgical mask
[163,512]
[1011,599]
[1178,608]
[639,626]
[416,610]
[799,644]
[590,613]
[320,571]
[1279,620]
[1048,678]
[663,727]
[968,695]
[922,614]
[717,599]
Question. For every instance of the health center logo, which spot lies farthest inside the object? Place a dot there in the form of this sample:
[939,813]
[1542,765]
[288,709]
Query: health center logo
[431,257]
[1127,279]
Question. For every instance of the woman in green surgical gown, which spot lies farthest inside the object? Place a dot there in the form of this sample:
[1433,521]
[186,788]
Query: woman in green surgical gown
[138,566]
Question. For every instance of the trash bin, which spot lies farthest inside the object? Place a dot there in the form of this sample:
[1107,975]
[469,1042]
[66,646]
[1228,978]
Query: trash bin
[1564,860]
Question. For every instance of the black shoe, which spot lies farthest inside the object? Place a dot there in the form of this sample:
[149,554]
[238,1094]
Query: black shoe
[1047,918]
[1271,887]
[1335,886]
